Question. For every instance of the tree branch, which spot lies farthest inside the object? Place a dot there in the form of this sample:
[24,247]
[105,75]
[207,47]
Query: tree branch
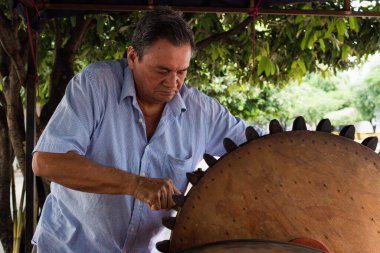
[224,35]
[63,69]
[81,29]
[57,35]
[6,160]
[11,46]
[15,117]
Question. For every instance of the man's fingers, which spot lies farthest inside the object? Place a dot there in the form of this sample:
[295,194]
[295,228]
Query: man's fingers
[154,207]
[175,190]
[157,193]
[155,204]
[164,198]
[171,202]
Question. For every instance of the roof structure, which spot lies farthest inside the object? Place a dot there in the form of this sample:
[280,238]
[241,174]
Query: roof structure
[272,7]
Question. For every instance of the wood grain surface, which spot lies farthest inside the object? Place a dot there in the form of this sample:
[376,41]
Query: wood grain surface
[250,246]
[285,186]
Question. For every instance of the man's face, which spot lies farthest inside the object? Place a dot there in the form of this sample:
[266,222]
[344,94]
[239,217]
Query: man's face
[160,73]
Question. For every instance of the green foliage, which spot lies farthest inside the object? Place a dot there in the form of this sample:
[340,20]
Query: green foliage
[287,48]
[341,98]
[368,95]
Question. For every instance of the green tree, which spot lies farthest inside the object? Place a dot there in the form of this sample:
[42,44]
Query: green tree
[368,94]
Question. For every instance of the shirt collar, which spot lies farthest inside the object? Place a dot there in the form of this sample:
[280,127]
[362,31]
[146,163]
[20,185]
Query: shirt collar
[128,88]
[176,105]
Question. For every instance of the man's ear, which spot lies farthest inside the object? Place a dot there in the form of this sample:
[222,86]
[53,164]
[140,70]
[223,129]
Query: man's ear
[132,57]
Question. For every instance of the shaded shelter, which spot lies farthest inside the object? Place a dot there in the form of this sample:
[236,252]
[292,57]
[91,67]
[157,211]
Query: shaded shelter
[36,10]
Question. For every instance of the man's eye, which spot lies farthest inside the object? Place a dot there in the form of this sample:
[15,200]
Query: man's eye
[162,72]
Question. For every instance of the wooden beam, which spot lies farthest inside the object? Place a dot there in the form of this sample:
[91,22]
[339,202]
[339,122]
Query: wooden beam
[30,197]
[347,5]
[331,13]
[128,8]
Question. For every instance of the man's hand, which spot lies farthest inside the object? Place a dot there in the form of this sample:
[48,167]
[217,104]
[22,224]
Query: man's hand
[156,192]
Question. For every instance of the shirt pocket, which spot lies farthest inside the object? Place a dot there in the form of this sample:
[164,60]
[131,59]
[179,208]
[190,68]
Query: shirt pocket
[177,170]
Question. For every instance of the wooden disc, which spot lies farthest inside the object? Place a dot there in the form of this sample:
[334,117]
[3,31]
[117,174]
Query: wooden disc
[285,186]
[250,246]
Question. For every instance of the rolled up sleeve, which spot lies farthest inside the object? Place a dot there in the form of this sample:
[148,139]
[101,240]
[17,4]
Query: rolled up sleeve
[72,124]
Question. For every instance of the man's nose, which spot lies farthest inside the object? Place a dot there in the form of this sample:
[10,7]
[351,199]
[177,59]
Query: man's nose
[172,79]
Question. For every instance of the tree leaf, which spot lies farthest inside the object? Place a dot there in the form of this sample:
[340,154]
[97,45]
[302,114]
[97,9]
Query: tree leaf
[100,25]
[268,67]
[353,21]
[341,26]
[312,39]
[322,45]
[330,29]
[214,53]
[305,39]
[264,66]
[273,68]
[289,33]
[73,21]
[345,52]
[301,63]
[299,19]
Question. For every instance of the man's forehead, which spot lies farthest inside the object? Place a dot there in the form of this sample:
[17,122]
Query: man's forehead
[164,44]
[163,67]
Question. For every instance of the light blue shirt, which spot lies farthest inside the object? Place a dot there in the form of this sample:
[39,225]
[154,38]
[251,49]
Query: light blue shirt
[100,119]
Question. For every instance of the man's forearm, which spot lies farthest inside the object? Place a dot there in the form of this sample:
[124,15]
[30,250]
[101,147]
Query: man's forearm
[79,173]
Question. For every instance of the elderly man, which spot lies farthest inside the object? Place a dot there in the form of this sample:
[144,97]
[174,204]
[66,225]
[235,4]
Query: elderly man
[121,141]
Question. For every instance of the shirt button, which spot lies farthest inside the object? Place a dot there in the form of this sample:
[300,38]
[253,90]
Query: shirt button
[143,174]
[147,147]
[140,120]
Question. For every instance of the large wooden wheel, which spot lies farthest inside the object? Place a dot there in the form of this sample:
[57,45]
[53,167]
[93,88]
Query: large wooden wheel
[320,187]
[250,246]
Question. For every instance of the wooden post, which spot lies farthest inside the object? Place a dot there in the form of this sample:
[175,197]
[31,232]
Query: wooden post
[30,220]
[347,5]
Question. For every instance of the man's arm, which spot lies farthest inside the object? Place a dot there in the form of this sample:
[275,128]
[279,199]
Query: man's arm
[79,173]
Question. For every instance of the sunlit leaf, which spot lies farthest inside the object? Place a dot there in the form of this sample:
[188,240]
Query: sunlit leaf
[345,52]
[322,45]
[100,25]
[341,27]
[353,21]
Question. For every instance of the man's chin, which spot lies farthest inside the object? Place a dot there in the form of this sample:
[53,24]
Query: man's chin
[168,97]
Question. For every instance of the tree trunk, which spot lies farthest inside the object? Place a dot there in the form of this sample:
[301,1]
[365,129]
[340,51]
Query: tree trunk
[12,131]
[15,116]
[63,68]
[6,158]
[62,72]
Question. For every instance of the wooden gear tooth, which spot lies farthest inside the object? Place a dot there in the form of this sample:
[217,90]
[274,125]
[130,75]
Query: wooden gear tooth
[209,159]
[324,126]
[275,127]
[299,124]
[370,142]
[348,132]
[163,246]
[195,176]
[179,200]
[251,133]
[229,145]
[169,222]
